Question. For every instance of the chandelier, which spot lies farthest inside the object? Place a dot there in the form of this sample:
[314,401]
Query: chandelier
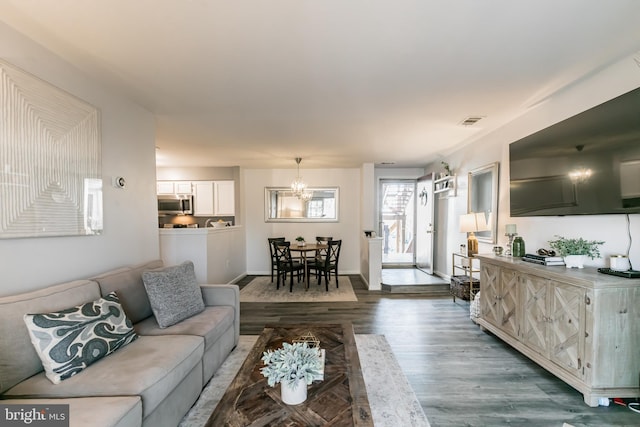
[580,175]
[298,187]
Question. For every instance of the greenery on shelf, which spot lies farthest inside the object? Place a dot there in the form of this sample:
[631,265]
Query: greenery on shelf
[565,246]
[447,168]
[292,362]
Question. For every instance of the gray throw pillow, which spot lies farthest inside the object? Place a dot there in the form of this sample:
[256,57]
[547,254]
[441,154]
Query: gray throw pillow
[174,293]
[68,341]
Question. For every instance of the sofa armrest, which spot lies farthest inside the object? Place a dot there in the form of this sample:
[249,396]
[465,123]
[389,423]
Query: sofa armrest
[224,295]
[221,295]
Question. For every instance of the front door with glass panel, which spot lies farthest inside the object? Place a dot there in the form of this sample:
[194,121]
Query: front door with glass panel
[397,221]
[424,224]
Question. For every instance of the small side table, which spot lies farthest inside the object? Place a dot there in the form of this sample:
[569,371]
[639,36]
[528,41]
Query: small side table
[463,283]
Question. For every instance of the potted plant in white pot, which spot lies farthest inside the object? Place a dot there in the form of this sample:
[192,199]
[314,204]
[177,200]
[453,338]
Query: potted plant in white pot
[575,251]
[294,366]
[300,240]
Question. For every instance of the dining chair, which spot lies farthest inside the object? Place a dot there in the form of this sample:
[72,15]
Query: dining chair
[272,252]
[322,240]
[286,265]
[320,254]
[324,266]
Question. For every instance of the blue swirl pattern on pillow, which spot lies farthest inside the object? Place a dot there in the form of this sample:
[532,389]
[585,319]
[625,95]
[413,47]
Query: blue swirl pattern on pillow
[69,340]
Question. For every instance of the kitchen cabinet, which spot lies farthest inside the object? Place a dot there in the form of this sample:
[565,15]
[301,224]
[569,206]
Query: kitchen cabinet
[214,198]
[224,198]
[173,187]
[580,325]
[203,198]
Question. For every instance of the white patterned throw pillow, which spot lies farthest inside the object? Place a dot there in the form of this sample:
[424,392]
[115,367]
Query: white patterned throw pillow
[69,340]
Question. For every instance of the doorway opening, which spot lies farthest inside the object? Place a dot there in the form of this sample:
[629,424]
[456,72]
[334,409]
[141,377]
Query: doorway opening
[406,209]
[397,222]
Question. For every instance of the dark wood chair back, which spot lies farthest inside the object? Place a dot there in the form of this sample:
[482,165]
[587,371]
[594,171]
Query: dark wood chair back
[285,264]
[325,265]
[323,239]
[272,253]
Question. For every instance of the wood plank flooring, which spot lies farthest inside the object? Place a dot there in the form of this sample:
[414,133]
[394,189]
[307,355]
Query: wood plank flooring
[461,375]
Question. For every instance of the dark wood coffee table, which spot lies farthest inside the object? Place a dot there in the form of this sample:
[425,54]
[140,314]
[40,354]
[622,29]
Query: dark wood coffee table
[339,400]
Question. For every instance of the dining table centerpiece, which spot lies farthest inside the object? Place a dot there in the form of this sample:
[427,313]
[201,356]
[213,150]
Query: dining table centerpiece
[294,366]
[300,241]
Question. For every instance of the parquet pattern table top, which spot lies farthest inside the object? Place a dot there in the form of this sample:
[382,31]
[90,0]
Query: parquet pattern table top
[339,400]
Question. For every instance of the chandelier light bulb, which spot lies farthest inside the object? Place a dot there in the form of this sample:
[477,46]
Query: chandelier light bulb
[298,186]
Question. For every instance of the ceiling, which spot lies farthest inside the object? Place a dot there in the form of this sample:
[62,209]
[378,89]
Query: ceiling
[336,82]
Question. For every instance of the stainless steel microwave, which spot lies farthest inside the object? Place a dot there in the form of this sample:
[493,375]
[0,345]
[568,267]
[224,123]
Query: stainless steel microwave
[175,205]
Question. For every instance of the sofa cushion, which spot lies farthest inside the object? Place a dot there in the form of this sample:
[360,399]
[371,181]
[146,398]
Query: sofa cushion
[69,340]
[127,282]
[209,324]
[20,360]
[150,367]
[174,293]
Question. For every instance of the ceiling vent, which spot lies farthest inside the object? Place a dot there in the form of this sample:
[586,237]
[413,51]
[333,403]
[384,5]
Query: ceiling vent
[471,120]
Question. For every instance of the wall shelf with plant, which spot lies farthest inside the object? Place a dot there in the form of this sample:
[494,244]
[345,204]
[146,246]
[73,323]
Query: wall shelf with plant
[446,186]
[445,183]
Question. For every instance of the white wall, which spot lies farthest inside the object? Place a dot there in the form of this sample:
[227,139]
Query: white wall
[257,230]
[592,90]
[128,149]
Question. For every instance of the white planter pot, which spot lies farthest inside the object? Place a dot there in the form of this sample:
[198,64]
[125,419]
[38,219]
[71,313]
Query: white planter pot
[575,261]
[295,394]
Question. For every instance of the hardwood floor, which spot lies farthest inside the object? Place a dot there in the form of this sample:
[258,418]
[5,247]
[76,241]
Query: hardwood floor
[461,375]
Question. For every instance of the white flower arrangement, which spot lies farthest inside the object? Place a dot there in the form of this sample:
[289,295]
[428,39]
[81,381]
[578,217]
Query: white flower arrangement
[291,363]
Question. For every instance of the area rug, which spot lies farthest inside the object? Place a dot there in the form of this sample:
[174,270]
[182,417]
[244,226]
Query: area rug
[393,403]
[261,289]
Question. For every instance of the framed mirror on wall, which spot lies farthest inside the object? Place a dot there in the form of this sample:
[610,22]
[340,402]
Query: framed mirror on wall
[483,198]
[320,204]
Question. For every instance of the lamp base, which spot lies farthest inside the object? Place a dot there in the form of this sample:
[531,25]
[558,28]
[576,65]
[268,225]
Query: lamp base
[472,244]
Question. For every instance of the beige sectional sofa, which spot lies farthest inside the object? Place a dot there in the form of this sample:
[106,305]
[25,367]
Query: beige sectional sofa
[152,381]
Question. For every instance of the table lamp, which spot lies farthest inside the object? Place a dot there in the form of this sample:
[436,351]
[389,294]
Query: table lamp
[472,223]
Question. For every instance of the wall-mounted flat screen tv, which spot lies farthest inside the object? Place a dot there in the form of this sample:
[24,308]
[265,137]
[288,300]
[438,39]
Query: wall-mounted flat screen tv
[588,164]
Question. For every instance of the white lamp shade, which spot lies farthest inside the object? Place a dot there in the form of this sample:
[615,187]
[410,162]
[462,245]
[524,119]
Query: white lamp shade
[472,222]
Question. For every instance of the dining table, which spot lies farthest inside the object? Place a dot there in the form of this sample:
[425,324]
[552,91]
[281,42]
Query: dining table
[303,250]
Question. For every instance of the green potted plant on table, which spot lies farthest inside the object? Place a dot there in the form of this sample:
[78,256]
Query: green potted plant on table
[294,366]
[574,251]
[300,240]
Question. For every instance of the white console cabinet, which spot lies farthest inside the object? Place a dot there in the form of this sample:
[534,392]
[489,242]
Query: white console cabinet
[580,325]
